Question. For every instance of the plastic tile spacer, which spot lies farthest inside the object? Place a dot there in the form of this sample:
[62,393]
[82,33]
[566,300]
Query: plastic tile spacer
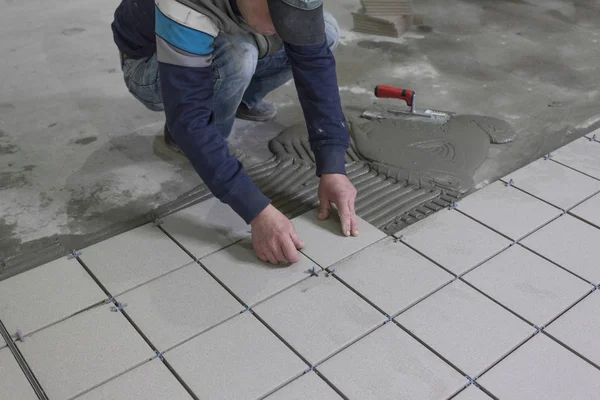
[471,380]
[312,271]
[398,239]
[108,300]
[20,336]
[118,307]
[453,206]
[158,355]
[157,222]
[548,156]
[592,138]
[510,183]
[329,273]
[74,254]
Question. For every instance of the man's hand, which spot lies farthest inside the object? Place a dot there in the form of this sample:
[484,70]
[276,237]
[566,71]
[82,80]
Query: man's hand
[274,238]
[337,189]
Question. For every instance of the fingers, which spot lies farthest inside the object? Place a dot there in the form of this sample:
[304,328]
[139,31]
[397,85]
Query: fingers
[324,209]
[289,250]
[346,218]
[271,257]
[353,220]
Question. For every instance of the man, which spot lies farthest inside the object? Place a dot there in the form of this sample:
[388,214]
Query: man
[204,62]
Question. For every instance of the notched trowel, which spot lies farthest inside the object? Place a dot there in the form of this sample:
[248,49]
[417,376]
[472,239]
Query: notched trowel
[408,96]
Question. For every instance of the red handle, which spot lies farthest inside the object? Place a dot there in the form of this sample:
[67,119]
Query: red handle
[389,92]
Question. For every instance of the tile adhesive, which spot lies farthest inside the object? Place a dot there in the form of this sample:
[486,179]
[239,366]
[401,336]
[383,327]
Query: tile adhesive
[404,169]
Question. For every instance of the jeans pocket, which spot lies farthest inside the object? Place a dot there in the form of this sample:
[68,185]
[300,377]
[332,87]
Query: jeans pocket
[142,81]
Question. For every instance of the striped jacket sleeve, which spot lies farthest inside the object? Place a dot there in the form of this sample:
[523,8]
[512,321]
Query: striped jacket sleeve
[184,41]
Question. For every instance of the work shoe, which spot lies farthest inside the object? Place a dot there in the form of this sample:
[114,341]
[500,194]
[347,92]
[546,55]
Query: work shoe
[263,111]
[171,145]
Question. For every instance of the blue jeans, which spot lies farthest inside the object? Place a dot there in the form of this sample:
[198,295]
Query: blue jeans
[238,75]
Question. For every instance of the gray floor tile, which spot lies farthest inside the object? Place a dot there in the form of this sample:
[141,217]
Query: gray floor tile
[387,365]
[582,154]
[206,227]
[45,295]
[83,351]
[508,210]
[391,275]
[472,393]
[543,370]
[465,327]
[324,241]
[571,243]
[251,279]
[589,210]
[13,383]
[453,240]
[309,386]
[240,359]
[133,258]
[151,381]
[554,183]
[179,305]
[319,316]
[578,328]
[532,287]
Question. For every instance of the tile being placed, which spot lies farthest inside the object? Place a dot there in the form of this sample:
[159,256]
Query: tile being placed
[13,383]
[582,155]
[179,305]
[309,386]
[45,295]
[319,316]
[83,351]
[239,359]
[391,275]
[527,284]
[387,365]
[542,369]
[508,210]
[324,242]
[453,240]
[472,393]
[206,227]
[589,210]
[251,279]
[133,258]
[554,183]
[465,327]
[150,381]
[572,244]
[578,328]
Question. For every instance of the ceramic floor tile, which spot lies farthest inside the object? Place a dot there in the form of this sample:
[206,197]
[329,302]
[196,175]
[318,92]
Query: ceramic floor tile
[387,365]
[465,327]
[151,381]
[542,369]
[13,383]
[309,386]
[589,210]
[571,243]
[179,305]
[472,393]
[527,284]
[45,295]
[508,210]
[579,327]
[391,275]
[554,183]
[251,279]
[582,154]
[133,258]
[319,316]
[453,240]
[324,242]
[206,227]
[83,351]
[240,359]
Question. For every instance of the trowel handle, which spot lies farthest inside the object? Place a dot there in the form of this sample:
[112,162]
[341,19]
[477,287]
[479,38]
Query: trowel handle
[390,92]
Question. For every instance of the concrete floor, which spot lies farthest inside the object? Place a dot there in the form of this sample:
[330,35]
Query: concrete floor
[78,154]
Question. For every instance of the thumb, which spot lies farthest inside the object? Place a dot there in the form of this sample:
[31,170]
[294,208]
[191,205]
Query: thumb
[324,209]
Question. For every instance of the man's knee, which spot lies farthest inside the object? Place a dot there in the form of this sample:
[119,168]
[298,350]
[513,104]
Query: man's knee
[235,59]
[332,31]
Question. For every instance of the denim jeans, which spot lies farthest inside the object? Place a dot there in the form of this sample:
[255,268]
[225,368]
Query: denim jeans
[238,75]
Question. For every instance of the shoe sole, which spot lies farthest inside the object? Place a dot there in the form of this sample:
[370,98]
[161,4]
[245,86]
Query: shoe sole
[255,118]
